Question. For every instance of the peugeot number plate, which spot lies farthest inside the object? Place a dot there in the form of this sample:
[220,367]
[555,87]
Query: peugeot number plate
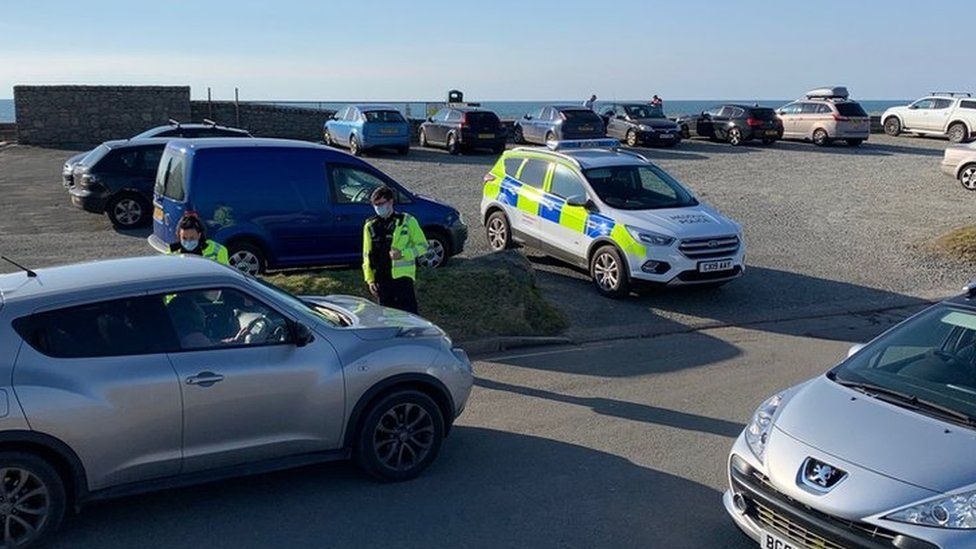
[770,541]
[713,266]
[486,136]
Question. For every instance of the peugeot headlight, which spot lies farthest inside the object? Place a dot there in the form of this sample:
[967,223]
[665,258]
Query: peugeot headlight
[757,433]
[648,237]
[958,511]
[644,128]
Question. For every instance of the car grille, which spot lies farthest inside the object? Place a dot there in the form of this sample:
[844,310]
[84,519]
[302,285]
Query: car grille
[783,525]
[708,248]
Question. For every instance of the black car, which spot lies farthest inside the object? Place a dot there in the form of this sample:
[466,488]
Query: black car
[463,128]
[639,124]
[559,122]
[117,178]
[734,124]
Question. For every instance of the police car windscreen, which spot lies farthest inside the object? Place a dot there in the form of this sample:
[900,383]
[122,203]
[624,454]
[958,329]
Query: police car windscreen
[638,188]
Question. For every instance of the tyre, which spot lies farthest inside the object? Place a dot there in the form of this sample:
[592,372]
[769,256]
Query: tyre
[768,141]
[734,136]
[355,147]
[247,258]
[820,137]
[631,139]
[609,272]
[327,138]
[33,502]
[453,147]
[892,126]
[438,251]
[550,136]
[498,232]
[957,132]
[400,436]
[854,142]
[967,176]
[518,136]
[129,211]
[422,138]
[685,131]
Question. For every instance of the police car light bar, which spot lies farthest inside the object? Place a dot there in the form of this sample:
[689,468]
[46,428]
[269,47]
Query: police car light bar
[569,144]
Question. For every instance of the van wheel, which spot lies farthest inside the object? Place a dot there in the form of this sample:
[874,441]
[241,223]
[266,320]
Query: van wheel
[33,501]
[967,176]
[518,136]
[355,147]
[437,251]
[609,274]
[820,137]
[128,211]
[734,136]
[452,144]
[498,232]
[247,258]
[957,132]
[400,436]
[892,126]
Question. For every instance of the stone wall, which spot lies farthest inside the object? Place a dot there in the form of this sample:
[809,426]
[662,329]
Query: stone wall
[89,115]
[8,132]
[264,120]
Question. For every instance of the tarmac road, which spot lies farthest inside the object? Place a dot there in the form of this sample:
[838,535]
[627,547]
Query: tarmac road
[619,444]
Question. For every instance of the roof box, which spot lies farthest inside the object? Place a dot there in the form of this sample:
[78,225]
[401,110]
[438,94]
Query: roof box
[835,92]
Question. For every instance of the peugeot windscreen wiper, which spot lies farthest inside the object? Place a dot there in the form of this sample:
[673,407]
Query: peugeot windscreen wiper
[908,400]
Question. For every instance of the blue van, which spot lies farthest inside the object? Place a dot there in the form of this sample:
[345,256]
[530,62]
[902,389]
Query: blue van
[278,203]
[362,127]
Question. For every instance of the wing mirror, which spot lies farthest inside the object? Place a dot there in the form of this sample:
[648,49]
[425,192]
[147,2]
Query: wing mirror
[854,349]
[913,107]
[527,117]
[580,201]
[430,118]
[301,334]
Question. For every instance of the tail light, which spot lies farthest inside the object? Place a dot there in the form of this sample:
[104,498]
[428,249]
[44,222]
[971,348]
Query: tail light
[562,116]
[489,177]
[464,120]
[754,122]
[840,118]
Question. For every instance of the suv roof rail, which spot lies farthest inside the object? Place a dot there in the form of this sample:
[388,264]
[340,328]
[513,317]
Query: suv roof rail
[174,122]
[209,122]
[952,94]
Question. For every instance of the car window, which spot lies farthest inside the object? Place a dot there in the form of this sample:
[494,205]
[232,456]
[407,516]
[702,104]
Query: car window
[534,172]
[566,183]
[352,185]
[967,104]
[714,111]
[454,116]
[119,161]
[792,108]
[808,108]
[120,327]
[941,103]
[726,112]
[167,133]
[512,165]
[639,187]
[546,114]
[850,109]
[538,114]
[149,159]
[221,318]
[441,115]
[737,112]
[923,104]
[384,116]
[352,115]
[824,109]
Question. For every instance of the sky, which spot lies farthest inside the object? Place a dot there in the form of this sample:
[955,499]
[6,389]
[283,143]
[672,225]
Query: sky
[377,50]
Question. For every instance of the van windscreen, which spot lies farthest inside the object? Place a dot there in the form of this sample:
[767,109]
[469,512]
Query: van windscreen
[171,176]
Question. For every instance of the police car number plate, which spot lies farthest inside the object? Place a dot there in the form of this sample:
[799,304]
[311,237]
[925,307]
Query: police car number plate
[770,541]
[713,266]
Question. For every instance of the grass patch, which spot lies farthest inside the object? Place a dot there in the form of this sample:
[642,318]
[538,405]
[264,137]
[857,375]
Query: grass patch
[959,243]
[493,295]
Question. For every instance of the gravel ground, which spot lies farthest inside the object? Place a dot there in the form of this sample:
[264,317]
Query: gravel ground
[827,230]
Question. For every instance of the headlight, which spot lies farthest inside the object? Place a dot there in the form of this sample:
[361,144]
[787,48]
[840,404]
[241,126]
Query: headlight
[647,237]
[757,433]
[958,511]
[644,128]
[421,332]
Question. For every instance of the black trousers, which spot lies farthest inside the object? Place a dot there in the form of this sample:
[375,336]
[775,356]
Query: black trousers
[397,293]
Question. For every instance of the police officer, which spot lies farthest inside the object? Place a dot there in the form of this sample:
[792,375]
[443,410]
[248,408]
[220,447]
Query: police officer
[392,242]
[193,240]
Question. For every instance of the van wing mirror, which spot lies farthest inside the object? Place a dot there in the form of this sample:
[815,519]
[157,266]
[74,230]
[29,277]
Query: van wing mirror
[301,335]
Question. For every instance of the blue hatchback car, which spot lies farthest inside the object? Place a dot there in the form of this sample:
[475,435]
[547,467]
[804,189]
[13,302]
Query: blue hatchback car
[278,203]
[363,127]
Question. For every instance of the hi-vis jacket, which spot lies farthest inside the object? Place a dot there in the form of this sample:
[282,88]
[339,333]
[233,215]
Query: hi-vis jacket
[408,238]
[212,250]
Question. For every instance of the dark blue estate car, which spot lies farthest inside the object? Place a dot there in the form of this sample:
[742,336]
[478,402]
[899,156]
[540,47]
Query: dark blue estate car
[278,203]
[557,123]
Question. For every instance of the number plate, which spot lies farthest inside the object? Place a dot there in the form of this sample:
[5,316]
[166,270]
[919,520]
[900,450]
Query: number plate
[771,541]
[486,136]
[586,128]
[388,131]
[771,132]
[666,136]
[158,213]
[714,266]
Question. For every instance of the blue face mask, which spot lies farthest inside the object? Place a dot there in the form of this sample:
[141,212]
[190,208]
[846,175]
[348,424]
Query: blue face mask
[386,210]
[189,245]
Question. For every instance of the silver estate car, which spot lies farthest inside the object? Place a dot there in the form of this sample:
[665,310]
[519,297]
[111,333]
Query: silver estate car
[130,375]
[877,453]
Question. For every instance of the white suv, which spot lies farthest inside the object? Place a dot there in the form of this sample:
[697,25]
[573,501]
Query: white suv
[948,114]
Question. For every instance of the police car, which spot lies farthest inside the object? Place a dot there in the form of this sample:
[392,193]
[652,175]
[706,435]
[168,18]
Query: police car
[611,211]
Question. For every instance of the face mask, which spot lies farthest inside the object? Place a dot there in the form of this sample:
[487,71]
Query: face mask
[386,210]
[189,245]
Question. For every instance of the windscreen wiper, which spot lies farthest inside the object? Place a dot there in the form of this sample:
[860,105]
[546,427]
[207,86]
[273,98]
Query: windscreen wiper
[908,400]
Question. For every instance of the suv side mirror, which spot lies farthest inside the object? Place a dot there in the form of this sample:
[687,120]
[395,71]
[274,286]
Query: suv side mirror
[301,335]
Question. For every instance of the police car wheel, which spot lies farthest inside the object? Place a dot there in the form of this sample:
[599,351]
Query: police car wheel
[498,232]
[246,258]
[128,211]
[608,272]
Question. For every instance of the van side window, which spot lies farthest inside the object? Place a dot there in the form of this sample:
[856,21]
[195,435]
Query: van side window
[534,172]
[351,185]
[121,327]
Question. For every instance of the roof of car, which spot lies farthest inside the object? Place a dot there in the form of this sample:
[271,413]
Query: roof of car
[367,108]
[570,108]
[592,158]
[188,145]
[80,277]
[141,142]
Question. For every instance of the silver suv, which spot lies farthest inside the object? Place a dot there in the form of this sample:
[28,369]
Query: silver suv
[135,374]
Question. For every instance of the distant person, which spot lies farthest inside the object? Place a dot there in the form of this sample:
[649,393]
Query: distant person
[657,101]
[392,242]
[590,103]
[193,240]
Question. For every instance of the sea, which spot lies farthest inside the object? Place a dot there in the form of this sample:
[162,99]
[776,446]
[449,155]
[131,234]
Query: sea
[515,109]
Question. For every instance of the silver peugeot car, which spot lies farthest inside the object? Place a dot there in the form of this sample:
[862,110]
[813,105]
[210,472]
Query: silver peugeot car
[136,374]
[879,452]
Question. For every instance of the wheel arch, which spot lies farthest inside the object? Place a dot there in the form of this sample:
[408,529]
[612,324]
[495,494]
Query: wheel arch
[441,231]
[965,124]
[600,243]
[253,238]
[492,208]
[64,460]
[424,383]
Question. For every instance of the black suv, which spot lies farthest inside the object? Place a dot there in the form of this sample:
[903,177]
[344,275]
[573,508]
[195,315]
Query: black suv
[116,178]
[463,128]
[734,124]
[639,123]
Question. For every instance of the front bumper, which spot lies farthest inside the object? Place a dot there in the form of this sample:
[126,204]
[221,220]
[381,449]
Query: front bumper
[659,138]
[676,269]
[458,235]
[87,200]
[157,244]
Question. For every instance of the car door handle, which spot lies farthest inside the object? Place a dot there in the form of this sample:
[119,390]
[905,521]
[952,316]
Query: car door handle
[204,379]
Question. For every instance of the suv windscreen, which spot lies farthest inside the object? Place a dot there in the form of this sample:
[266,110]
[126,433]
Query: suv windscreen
[638,187]
[850,109]
[644,111]
[927,363]
[383,116]
[581,115]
